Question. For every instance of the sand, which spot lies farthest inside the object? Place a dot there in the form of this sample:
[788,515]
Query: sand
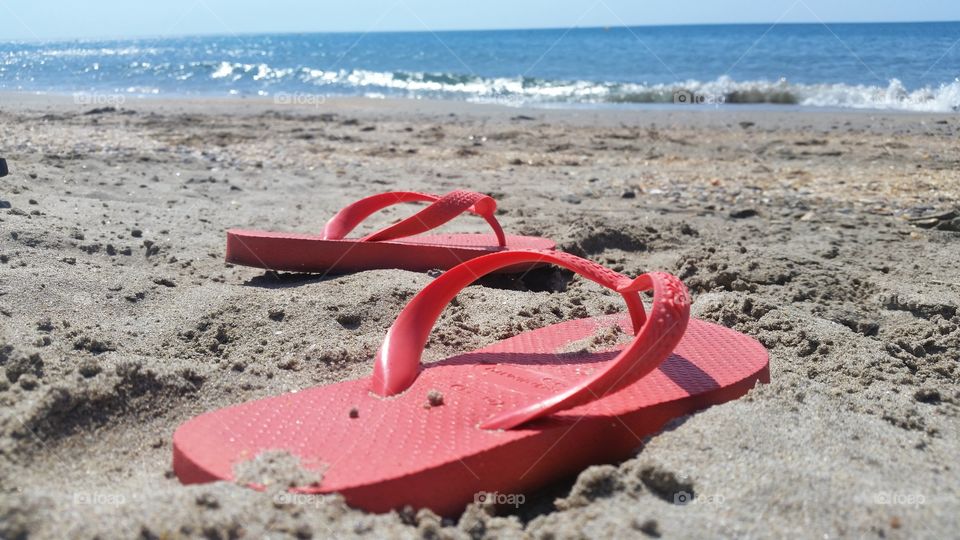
[825,235]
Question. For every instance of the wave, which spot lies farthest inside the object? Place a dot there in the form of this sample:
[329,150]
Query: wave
[894,96]
[526,90]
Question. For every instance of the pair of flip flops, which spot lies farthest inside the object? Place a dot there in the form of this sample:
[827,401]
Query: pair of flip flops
[507,418]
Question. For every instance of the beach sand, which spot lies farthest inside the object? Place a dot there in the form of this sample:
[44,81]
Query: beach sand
[119,319]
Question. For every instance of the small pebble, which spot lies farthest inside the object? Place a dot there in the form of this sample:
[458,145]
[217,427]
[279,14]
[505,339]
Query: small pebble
[207,501]
[649,527]
[927,395]
[743,213]
[28,381]
[434,398]
[350,321]
[89,368]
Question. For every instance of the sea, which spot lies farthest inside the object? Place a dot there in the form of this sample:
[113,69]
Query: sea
[901,66]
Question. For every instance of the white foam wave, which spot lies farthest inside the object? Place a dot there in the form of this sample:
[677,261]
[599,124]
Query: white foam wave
[236,71]
[893,96]
[944,98]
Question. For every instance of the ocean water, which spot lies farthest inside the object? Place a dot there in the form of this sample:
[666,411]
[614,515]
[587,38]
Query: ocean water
[907,66]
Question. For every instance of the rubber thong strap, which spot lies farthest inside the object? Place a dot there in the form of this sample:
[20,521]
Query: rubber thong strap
[441,210]
[397,363]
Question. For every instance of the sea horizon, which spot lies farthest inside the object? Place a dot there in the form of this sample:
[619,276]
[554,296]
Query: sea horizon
[78,39]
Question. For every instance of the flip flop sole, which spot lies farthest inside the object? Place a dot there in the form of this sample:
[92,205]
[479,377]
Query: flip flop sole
[397,451]
[311,253]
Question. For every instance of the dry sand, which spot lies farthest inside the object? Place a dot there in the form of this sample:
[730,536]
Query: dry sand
[119,319]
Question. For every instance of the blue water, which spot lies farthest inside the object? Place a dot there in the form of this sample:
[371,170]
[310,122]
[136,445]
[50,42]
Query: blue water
[900,66]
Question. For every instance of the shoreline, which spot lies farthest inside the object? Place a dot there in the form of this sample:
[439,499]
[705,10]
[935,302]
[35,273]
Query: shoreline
[26,100]
[874,121]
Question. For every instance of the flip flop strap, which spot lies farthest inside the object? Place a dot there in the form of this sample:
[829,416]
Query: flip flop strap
[397,362]
[441,210]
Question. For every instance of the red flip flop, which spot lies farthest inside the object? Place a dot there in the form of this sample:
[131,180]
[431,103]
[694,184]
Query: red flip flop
[401,245]
[507,418]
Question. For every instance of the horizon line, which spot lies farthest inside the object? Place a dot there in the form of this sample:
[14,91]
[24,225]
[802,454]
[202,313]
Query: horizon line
[461,30]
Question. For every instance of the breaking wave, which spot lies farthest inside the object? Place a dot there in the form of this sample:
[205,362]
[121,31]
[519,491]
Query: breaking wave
[527,90]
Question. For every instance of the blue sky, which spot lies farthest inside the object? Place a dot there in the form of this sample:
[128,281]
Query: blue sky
[53,19]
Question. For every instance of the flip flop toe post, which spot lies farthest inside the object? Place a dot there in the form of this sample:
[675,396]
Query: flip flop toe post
[507,418]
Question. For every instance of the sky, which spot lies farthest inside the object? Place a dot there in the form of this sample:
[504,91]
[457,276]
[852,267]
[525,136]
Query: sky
[63,19]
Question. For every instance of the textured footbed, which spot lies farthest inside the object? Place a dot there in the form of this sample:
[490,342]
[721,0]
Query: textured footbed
[311,253]
[399,452]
